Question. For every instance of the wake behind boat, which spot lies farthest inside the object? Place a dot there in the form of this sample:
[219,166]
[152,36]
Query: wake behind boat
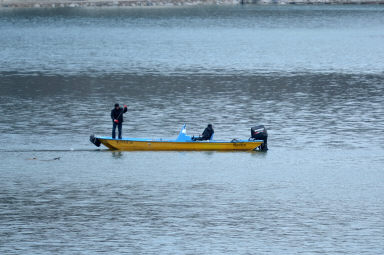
[184,142]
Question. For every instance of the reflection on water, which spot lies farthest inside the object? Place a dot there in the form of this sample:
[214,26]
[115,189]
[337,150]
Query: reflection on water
[117,154]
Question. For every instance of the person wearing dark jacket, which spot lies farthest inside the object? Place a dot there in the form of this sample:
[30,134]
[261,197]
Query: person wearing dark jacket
[207,134]
[117,119]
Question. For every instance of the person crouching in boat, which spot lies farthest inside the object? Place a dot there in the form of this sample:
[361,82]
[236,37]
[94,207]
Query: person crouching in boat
[117,119]
[207,134]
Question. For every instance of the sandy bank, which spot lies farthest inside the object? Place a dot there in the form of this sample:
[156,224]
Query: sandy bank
[134,3]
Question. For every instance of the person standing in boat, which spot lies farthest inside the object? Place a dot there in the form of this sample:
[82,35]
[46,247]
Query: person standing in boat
[117,119]
[207,134]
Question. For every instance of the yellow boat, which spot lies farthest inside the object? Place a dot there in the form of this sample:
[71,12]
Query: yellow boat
[182,143]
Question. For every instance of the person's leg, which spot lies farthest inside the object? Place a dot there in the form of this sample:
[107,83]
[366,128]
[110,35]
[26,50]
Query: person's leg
[120,127]
[114,130]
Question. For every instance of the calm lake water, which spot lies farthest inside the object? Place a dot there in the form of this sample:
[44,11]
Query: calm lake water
[314,75]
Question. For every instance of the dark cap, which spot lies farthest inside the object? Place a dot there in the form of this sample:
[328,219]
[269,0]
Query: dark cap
[116,105]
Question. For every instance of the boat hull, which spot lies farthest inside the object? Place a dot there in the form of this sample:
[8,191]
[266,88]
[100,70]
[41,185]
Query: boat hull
[150,145]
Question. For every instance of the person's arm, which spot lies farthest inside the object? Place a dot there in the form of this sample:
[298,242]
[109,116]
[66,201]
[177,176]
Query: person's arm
[112,115]
[125,108]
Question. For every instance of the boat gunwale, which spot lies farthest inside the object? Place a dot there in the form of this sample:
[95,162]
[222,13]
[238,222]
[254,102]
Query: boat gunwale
[175,141]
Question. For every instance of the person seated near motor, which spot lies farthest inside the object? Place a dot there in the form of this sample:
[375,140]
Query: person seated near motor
[207,134]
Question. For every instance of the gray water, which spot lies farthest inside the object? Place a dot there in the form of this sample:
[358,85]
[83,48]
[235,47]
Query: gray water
[312,74]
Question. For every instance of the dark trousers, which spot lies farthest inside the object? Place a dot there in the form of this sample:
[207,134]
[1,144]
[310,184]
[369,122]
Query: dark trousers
[199,138]
[119,128]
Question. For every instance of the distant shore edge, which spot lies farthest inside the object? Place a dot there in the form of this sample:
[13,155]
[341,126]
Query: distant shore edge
[139,3]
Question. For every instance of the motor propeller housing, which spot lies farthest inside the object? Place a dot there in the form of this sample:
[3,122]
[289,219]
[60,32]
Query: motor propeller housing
[94,140]
[260,133]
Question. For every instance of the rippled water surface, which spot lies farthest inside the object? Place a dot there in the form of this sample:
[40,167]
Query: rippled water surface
[312,74]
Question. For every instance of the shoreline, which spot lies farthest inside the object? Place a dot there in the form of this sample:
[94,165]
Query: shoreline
[169,3]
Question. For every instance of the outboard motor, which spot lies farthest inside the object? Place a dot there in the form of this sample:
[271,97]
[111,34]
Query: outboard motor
[94,140]
[260,133]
